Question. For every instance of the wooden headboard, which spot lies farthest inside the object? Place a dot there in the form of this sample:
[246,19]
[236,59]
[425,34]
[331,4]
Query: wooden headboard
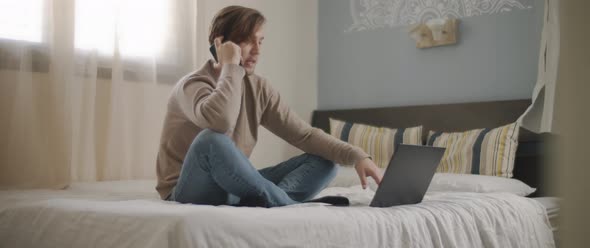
[529,164]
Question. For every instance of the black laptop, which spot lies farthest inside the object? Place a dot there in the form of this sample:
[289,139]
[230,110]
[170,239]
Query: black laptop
[408,175]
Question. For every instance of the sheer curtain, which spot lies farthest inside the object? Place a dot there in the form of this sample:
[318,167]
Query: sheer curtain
[539,116]
[84,85]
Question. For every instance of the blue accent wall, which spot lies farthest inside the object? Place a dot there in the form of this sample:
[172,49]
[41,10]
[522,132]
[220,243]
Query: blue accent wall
[495,59]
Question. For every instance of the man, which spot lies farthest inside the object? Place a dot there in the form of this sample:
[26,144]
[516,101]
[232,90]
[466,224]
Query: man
[211,127]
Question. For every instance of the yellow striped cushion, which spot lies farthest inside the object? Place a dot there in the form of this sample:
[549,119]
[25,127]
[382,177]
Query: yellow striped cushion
[478,151]
[378,142]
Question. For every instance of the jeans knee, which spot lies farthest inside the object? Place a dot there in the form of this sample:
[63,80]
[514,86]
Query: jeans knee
[333,170]
[328,167]
[208,137]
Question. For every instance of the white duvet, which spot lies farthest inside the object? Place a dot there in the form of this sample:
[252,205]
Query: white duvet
[129,214]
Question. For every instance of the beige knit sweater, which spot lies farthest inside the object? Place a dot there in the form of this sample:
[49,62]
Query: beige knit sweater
[235,104]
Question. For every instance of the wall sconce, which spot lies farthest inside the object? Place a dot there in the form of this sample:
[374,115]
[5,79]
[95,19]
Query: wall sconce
[435,32]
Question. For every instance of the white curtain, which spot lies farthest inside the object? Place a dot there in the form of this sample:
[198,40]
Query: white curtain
[539,116]
[84,86]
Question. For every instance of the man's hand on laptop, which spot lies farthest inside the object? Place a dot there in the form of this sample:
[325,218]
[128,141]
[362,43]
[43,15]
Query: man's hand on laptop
[367,168]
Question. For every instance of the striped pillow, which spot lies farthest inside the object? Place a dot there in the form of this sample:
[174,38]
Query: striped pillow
[479,151]
[378,142]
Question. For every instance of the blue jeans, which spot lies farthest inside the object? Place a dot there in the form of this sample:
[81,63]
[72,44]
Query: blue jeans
[216,172]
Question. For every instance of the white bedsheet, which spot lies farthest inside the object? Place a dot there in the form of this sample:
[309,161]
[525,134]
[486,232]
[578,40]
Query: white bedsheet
[129,214]
[552,205]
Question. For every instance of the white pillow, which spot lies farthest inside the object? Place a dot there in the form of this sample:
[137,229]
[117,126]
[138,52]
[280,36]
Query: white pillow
[345,177]
[447,182]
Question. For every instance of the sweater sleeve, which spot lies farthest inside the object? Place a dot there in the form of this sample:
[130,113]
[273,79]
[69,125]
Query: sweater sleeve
[283,122]
[213,106]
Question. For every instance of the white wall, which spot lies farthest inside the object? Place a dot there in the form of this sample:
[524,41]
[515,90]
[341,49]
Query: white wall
[288,59]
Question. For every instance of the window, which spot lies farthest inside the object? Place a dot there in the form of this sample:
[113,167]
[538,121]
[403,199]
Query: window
[21,20]
[135,29]
[138,26]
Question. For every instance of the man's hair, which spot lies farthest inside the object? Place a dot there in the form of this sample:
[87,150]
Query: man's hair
[235,23]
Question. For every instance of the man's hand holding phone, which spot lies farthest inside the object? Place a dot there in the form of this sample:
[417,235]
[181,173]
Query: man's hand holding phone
[227,52]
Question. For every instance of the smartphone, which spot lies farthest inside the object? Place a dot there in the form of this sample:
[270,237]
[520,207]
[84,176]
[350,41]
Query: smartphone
[213,52]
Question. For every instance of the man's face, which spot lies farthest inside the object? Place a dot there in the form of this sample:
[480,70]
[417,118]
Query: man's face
[251,50]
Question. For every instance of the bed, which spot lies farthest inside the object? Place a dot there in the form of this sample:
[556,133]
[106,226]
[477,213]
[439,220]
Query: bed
[530,163]
[130,213]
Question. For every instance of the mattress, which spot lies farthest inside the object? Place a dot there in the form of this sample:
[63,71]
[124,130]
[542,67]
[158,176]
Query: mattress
[130,214]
